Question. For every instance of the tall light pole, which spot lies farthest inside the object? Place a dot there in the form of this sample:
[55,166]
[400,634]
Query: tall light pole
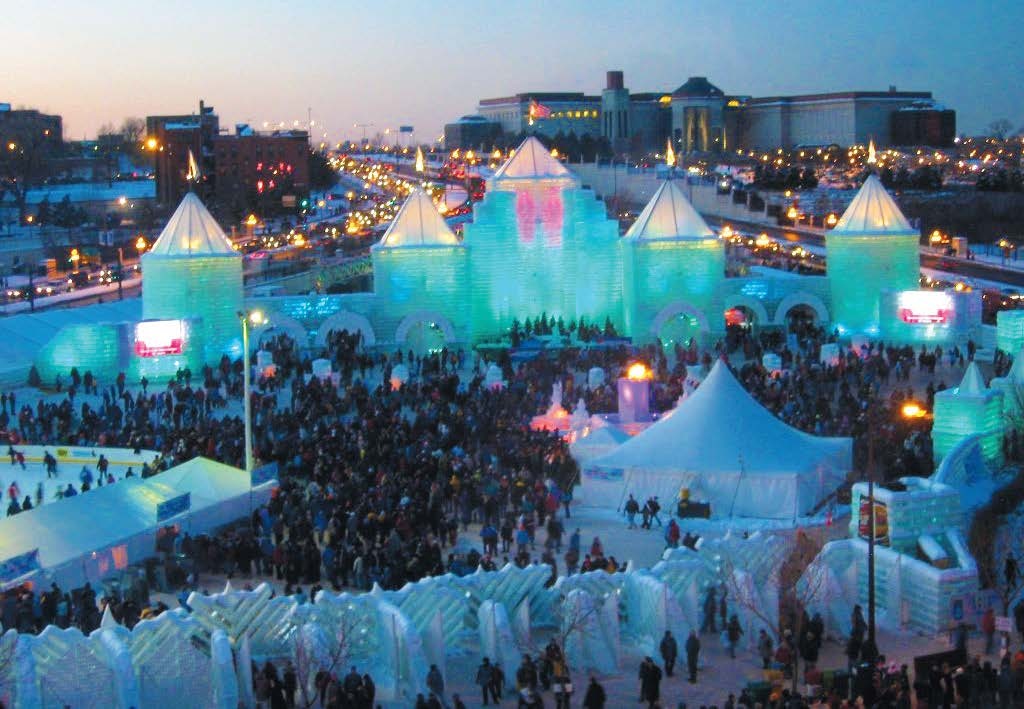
[254,318]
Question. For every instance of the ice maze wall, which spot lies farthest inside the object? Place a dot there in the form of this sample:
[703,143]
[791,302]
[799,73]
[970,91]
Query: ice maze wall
[201,658]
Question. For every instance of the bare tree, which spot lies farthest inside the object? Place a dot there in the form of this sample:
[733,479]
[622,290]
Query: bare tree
[132,130]
[313,658]
[794,597]
[999,128]
[22,164]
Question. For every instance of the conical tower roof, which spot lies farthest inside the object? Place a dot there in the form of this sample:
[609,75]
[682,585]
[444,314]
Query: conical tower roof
[192,231]
[873,211]
[531,160]
[669,215]
[973,383]
[418,223]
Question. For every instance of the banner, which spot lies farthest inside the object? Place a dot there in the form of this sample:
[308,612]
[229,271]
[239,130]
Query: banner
[18,566]
[405,129]
[173,507]
[263,474]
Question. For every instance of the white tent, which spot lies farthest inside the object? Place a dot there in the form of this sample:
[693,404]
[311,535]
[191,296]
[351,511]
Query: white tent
[96,534]
[727,449]
[597,442]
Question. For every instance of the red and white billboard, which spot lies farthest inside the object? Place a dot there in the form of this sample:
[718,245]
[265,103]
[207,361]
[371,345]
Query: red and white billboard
[159,337]
[925,307]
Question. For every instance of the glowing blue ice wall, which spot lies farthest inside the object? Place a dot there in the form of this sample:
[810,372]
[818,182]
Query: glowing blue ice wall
[421,283]
[541,245]
[207,289]
[860,268]
[659,273]
[959,415]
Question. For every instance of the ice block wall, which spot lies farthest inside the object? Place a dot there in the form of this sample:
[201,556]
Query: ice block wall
[659,273]
[420,280]
[207,289]
[860,268]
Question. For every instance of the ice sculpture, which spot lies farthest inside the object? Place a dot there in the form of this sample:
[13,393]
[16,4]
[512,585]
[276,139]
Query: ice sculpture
[1010,330]
[225,686]
[871,249]
[541,245]
[583,634]
[193,273]
[670,258]
[497,641]
[421,273]
[970,409]
[1012,386]
[650,610]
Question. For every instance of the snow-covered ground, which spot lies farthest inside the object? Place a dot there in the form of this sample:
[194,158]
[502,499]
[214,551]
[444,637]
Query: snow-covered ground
[33,477]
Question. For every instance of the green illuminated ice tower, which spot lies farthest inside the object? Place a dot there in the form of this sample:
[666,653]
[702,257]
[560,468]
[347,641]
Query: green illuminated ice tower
[193,274]
[872,248]
[673,267]
[969,409]
[420,272]
[540,244]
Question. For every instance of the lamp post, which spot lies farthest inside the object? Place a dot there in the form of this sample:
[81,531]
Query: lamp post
[254,318]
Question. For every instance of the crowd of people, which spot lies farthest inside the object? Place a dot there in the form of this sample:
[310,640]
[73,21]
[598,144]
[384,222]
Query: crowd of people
[379,482]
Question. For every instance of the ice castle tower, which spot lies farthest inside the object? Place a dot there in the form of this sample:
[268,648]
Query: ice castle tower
[420,271]
[673,264]
[872,248]
[541,244]
[194,274]
[967,410]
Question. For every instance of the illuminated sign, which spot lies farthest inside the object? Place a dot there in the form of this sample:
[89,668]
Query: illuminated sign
[159,337]
[925,307]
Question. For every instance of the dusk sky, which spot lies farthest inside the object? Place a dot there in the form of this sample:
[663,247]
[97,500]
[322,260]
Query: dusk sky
[425,63]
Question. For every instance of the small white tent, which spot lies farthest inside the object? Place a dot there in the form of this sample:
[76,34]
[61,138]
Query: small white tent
[727,449]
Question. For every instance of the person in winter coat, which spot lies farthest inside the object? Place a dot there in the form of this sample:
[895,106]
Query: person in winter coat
[435,682]
[595,696]
[764,649]
[650,682]
[692,655]
[669,650]
[733,632]
[484,679]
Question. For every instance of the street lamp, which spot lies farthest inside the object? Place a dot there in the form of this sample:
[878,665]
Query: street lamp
[252,318]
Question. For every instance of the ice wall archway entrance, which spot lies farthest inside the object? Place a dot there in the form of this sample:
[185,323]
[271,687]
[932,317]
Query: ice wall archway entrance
[424,331]
[678,323]
[808,300]
[279,324]
[348,321]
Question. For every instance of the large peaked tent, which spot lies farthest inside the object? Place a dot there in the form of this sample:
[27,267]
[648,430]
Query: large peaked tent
[727,449]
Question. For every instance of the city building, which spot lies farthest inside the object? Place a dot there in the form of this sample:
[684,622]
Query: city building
[474,132]
[241,172]
[270,170]
[172,139]
[544,113]
[703,118]
[29,126]
[924,123]
[845,118]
